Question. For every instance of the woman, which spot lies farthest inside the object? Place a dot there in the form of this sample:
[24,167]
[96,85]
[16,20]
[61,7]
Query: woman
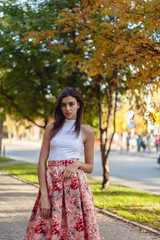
[64,209]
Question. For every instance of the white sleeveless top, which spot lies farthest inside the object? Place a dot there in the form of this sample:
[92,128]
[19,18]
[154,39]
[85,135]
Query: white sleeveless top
[66,144]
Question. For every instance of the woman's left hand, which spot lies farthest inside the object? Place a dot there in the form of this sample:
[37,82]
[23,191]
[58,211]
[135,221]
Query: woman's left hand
[70,170]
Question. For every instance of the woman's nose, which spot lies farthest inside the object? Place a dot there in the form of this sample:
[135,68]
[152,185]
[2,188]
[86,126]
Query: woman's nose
[67,107]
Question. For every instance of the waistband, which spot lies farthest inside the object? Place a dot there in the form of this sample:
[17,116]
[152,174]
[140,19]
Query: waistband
[62,162]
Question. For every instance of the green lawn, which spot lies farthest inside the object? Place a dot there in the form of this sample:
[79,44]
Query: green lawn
[25,171]
[131,204]
[5,159]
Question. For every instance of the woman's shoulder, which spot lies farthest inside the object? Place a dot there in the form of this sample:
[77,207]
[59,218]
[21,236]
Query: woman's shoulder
[49,126]
[87,130]
[48,131]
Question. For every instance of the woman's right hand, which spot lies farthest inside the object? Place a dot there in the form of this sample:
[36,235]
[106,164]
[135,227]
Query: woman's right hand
[45,207]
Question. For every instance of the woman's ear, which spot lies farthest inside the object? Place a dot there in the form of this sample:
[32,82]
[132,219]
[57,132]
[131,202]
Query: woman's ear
[78,105]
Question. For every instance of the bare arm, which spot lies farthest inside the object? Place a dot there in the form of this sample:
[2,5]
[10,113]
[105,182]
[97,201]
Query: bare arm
[88,136]
[41,169]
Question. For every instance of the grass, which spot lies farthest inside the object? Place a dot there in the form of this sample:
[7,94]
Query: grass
[5,159]
[131,204]
[25,171]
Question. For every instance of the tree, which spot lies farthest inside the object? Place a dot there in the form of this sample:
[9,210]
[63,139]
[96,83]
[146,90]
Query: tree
[32,76]
[117,46]
[121,52]
[2,119]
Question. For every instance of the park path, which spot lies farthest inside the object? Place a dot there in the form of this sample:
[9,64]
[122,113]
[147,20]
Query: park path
[16,201]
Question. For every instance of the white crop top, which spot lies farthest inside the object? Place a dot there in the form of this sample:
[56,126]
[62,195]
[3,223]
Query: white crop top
[66,144]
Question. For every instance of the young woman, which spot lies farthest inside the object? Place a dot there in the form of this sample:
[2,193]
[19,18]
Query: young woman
[64,209]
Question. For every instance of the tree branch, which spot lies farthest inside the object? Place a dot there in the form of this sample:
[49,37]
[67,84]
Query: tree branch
[114,123]
[18,108]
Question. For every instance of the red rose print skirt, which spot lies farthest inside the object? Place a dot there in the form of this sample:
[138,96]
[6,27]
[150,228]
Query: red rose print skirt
[72,208]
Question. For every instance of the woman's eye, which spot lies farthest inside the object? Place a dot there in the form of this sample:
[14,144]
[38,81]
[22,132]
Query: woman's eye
[64,105]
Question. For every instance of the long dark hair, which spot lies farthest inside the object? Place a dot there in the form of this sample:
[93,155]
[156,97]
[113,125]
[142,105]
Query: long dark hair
[58,115]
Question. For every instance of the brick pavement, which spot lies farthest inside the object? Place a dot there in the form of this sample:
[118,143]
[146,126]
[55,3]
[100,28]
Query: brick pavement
[17,199]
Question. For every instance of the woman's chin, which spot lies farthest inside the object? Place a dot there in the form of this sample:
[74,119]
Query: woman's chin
[70,117]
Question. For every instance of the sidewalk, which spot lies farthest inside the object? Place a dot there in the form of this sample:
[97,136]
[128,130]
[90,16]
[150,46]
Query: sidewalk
[16,201]
[152,154]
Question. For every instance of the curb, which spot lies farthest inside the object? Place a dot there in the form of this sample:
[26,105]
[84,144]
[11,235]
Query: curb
[20,179]
[104,212]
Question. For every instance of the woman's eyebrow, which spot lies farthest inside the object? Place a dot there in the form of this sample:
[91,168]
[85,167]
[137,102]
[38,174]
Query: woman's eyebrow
[68,103]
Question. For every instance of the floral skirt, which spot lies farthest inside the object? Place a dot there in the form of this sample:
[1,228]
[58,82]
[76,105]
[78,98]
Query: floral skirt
[72,208]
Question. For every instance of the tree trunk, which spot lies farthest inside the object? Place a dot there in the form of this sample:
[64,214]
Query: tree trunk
[104,156]
[105,149]
[105,163]
[1,136]
[105,183]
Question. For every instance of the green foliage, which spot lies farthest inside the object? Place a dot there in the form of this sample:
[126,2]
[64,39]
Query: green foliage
[2,117]
[26,69]
[32,76]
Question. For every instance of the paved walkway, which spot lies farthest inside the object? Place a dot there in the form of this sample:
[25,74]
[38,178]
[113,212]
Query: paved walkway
[16,202]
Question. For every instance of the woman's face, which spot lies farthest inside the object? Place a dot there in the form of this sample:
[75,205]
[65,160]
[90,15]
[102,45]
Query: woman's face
[69,107]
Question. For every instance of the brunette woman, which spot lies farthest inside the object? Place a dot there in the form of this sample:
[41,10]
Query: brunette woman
[64,209]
